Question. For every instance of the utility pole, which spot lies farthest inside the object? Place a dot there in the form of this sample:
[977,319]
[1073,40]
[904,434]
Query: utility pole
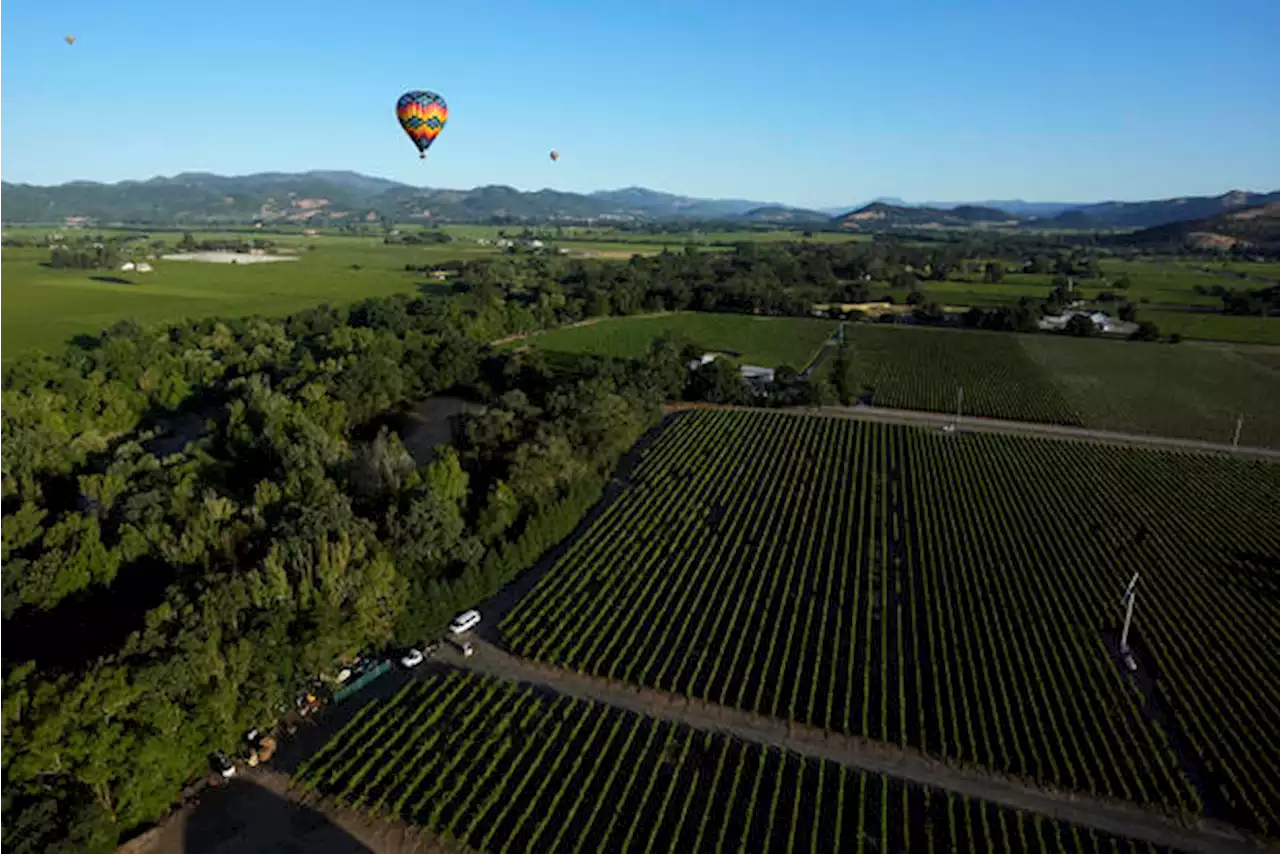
[959,403]
[1130,597]
[1235,442]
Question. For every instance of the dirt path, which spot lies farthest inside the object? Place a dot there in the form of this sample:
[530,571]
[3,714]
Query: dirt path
[1112,817]
[970,423]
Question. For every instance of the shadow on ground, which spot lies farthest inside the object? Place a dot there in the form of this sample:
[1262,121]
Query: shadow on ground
[243,816]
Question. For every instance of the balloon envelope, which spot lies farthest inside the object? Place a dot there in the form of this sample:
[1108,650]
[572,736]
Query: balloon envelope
[71,39]
[422,115]
[555,155]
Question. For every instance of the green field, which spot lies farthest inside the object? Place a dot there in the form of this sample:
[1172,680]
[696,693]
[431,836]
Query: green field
[998,378]
[948,593]
[1159,288]
[503,768]
[44,308]
[1188,390]
[767,341]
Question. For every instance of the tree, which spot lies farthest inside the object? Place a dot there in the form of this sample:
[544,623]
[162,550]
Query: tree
[1080,325]
[1146,331]
[820,392]
[915,298]
[1128,312]
[993,274]
[720,381]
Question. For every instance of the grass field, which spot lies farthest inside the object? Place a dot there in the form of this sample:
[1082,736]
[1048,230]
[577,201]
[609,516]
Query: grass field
[502,768]
[1189,390]
[767,341]
[44,308]
[950,593]
[1158,287]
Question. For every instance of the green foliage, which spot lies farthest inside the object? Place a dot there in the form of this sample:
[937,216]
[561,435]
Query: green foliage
[197,502]
[417,755]
[876,598]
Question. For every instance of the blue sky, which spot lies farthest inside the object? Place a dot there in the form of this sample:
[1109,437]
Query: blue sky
[820,103]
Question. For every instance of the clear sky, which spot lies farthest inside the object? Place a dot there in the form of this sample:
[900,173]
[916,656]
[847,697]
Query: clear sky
[818,103]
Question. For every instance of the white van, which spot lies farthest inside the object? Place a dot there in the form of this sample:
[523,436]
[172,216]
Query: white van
[465,622]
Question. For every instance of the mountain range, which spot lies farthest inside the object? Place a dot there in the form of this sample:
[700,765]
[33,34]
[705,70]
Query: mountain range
[333,197]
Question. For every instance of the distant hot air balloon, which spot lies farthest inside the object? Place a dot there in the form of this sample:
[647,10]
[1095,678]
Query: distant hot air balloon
[71,39]
[555,155]
[422,115]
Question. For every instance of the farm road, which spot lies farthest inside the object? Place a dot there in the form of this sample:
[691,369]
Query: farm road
[971,423]
[1111,817]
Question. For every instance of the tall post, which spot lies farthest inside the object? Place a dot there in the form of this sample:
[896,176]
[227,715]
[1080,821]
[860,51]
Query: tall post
[1235,441]
[1130,596]
[1128,620]
[959,403]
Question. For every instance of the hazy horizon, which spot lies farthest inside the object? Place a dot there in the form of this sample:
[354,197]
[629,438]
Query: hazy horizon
[821,109]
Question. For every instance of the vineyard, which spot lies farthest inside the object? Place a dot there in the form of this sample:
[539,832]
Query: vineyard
[1193,391]
[949,593]
[924,369]
[504,768]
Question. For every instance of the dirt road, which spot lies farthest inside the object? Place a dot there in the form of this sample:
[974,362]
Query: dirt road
[1112,817]
[974,424]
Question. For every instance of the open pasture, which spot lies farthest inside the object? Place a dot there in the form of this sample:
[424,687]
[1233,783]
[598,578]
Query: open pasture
[44,307]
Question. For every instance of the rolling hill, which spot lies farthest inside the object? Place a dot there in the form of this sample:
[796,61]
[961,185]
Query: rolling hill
[1256,227]
[783,215]
[879,216]
[334,197]
[1161,212]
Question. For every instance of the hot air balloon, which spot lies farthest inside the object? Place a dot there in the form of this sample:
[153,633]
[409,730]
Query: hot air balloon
[555,155]
[422,115]
[71,39]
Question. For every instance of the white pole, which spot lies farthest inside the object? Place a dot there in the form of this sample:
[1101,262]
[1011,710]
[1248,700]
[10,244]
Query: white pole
[1128,619]
[1130,596]
[1235,442]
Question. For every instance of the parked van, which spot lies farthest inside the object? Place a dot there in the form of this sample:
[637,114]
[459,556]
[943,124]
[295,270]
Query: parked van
[465,622]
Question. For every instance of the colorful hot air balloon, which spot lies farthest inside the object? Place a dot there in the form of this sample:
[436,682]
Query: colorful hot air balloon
[555,155]
[422,115]
[71,39]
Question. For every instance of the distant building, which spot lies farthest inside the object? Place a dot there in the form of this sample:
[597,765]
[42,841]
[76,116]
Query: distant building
[1101,321]
[750,373]
[754,373]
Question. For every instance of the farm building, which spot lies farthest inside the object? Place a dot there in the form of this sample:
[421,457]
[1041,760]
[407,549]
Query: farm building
[139,267]
[1102,321]
[751,373]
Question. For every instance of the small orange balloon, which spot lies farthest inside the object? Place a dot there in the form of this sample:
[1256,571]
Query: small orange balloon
[71,39]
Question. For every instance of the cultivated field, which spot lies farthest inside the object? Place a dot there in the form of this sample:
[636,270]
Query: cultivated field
[504,768]
[1189,390]
[767,341]
[923,369]
[956,594]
